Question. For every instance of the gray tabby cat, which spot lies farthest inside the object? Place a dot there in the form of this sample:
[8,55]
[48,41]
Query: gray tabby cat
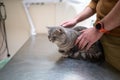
[65,39]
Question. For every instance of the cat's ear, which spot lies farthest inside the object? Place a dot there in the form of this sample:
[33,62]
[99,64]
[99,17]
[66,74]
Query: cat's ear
[49,28]
[60,30]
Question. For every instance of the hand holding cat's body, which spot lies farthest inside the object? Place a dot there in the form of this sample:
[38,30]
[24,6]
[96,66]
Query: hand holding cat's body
[65,39]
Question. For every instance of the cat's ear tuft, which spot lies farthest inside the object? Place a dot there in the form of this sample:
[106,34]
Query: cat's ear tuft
[60,30]
[48,27]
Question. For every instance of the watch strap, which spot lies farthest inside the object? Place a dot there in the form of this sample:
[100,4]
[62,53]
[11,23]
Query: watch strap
[100,27]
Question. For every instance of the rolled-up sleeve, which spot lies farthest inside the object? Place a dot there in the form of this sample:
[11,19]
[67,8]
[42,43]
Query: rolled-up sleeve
[93,4]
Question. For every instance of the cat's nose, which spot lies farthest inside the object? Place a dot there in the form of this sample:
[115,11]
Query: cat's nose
[50,39]
[48,36]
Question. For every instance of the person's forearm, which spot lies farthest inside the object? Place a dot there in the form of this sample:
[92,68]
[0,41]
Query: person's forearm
[112,20]
[86,13]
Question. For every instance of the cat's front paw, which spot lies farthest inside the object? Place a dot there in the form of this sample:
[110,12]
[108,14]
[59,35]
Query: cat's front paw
[83,55]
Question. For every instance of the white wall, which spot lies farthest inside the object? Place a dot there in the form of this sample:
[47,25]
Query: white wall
[42,16]
[17,26]
[51,14]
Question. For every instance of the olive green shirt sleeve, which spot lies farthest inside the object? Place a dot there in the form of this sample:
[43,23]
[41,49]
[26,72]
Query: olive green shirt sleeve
[93,4]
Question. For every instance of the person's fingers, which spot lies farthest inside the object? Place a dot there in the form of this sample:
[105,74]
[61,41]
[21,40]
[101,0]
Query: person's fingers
[82,31]
[63,24]
[78,39]
[76,42]
[66,25]
[83,44]
[89,45]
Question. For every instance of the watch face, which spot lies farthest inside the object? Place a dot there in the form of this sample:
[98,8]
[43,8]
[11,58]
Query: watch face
[98,26]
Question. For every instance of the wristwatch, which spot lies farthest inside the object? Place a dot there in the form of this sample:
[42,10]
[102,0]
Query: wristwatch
[100,27]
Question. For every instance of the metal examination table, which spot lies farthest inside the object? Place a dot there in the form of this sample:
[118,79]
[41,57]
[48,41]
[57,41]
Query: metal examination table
[38,59]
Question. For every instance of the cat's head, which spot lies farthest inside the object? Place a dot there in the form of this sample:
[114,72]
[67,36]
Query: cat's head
[56,34]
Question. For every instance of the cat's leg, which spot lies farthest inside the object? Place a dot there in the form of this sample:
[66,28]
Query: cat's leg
[64,53]
[83,55]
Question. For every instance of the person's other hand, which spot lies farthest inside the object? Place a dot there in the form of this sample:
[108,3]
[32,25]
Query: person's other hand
[70,23]
[87,38]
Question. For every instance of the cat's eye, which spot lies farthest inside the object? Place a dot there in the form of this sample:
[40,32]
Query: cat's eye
[54,37]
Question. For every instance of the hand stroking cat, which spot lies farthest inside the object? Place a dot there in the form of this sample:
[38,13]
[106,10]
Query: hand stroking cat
[65,39]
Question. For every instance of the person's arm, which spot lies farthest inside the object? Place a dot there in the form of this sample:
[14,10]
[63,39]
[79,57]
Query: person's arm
[112,20]
[86,13]
[91,35]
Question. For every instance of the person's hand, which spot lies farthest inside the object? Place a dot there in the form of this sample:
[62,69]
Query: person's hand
[87,38]
[70,23]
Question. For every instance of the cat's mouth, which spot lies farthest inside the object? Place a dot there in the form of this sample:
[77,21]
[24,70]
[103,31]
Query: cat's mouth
[54,41]
[51,39]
